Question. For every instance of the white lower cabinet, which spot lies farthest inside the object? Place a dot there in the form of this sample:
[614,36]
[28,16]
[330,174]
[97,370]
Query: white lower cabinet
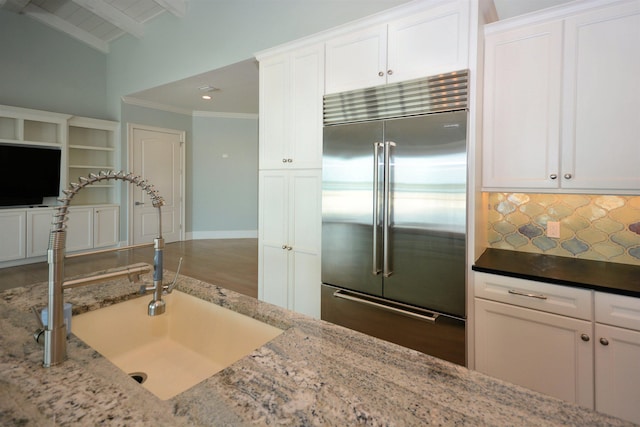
[91,227]
[537,350]
[289,239]
[25,232]
[545,337]
[12,234]
[39,224]
[617,354]
[106,226]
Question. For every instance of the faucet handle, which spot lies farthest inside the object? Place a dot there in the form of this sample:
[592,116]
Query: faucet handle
[169,289]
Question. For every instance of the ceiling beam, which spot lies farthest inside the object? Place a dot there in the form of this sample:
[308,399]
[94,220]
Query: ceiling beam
[114,16]
[59,24]
[176,7]
[13,5]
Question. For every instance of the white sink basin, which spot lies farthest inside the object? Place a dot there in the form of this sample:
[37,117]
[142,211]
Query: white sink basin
[191,341]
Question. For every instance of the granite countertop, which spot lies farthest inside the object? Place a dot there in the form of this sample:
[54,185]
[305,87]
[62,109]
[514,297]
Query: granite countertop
[622,279]
[315,373]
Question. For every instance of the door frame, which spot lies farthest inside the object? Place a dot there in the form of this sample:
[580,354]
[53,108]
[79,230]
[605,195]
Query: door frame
[182,136]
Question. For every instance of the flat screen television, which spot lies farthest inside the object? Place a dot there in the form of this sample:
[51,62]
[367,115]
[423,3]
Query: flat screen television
[28,174]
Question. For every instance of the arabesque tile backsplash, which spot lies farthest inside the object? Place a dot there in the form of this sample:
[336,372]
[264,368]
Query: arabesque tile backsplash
[604,228]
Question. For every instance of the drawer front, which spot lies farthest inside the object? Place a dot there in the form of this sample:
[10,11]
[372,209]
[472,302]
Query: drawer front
[618,310]
[557,299]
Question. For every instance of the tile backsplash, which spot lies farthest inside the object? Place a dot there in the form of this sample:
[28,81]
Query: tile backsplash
[604,228]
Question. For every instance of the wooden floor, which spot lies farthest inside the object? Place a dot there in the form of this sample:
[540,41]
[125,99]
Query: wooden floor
[230,263]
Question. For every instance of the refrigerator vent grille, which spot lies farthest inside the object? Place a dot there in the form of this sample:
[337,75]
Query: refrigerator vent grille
[444,92]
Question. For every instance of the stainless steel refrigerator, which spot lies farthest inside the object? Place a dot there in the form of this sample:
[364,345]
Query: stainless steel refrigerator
[394,215]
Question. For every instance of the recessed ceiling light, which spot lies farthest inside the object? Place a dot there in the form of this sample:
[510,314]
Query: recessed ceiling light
[207,91]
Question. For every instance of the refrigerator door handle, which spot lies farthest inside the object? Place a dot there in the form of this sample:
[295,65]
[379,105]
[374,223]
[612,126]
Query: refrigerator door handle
[396,307]
[376,209]
[386,213]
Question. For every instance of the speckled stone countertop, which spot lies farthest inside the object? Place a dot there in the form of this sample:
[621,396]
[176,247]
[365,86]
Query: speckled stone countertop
[622,279]
[315,373]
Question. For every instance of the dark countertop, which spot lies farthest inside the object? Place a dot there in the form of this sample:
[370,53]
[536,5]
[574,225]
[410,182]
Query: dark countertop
[622,279]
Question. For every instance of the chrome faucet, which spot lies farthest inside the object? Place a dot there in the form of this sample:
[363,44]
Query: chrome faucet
[55,343]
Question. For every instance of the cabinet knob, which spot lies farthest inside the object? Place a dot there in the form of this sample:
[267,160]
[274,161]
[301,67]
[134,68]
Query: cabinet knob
[585,337]
[289,160]
[553,176]
[389,72]
[284,160]
[567,176]
[284,246]
[604,341]
[381,73]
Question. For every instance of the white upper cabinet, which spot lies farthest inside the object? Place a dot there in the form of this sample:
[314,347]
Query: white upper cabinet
[291,88]
[522,107]
[561,104]
[426,43]
[601,115]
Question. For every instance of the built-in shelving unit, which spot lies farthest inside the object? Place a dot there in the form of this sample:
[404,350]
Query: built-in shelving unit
[92,149]
[87,146]
[30,127]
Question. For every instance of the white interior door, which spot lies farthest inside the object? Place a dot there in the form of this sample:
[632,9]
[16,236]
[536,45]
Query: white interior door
[157,155]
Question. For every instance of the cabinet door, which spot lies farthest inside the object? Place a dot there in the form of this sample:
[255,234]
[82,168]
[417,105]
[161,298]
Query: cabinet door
[544,352]
[289,240]
[304,239]
[272,237]
[274,93]
[521,123]
[106,230]
[79,229]
[356,60]
[39,224]
[618,372]
[601,103]
[12,235]
[307,88]
[429,43]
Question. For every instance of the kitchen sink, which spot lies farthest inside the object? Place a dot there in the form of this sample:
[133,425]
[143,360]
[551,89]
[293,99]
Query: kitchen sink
[171,353]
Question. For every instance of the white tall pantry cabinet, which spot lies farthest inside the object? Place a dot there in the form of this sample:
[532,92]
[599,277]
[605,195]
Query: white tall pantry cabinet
[290,178]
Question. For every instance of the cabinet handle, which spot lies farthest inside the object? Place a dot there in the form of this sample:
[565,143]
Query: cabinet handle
[585,337]
[524,294]
[286,247]
[553,176]
[604,341]
[381,73]
[567,176]
[389,72]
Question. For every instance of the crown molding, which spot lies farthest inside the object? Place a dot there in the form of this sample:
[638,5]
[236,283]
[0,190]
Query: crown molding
[155,105]
[221,115]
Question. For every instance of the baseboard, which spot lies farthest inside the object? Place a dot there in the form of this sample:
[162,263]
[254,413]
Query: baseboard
[225,234]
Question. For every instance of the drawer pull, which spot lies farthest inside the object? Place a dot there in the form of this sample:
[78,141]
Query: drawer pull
[524,294]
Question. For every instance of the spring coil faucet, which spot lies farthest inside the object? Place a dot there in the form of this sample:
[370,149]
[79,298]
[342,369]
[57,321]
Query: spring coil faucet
[55,342]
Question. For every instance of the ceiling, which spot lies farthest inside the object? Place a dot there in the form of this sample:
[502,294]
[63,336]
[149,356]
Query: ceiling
[238,83]
[96,22]
[234,88]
